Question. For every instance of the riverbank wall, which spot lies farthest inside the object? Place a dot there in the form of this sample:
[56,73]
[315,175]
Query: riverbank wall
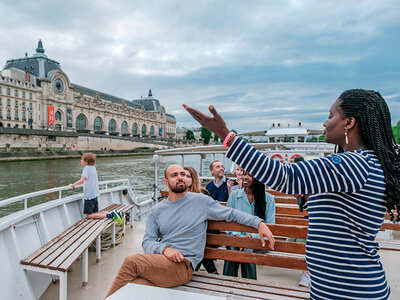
[26,144]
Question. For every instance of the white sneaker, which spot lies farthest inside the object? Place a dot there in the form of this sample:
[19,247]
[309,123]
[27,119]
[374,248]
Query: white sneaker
[305,280]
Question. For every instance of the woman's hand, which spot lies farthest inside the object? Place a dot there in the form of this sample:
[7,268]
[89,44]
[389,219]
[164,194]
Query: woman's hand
[216,124]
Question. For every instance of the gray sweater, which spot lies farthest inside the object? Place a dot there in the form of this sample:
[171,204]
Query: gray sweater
[183,224]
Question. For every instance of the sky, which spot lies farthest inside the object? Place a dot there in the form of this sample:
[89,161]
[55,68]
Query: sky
[257,62]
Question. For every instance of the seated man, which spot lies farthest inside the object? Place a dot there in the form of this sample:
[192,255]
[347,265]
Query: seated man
[176,234]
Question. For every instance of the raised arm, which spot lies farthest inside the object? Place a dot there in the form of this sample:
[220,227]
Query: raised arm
[345,172]
[338,173]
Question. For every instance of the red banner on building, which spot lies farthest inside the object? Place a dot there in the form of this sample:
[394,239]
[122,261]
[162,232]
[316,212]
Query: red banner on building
[50,115]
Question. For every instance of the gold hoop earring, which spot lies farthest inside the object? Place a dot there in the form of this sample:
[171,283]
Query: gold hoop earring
[345,136]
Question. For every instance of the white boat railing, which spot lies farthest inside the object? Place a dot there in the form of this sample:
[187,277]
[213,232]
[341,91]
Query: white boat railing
[26,197]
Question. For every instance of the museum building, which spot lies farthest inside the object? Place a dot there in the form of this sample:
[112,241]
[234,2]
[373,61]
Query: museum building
[35,93]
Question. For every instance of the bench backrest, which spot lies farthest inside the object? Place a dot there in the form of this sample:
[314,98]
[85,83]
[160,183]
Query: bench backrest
[285,255]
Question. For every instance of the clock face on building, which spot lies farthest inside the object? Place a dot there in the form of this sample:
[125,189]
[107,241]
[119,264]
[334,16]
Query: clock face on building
[58,85]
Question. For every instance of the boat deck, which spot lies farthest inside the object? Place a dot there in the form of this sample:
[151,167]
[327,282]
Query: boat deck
[101,274]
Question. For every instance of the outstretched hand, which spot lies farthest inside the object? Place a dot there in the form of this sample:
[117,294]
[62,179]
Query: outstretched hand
[215,123]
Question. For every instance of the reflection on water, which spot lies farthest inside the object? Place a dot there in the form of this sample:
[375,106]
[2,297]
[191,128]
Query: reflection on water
[17,178]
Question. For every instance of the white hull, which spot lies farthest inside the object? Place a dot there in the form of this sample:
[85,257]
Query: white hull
[23,232]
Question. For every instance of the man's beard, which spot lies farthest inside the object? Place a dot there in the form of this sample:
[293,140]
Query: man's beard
[179,189]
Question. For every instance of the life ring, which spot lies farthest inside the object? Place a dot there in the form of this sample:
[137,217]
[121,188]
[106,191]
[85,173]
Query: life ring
[277,155]
[293,156]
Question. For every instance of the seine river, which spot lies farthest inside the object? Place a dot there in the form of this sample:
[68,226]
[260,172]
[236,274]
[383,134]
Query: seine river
[21,177]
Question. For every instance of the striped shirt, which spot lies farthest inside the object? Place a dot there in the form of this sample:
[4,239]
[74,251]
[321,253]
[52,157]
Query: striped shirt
[346,209]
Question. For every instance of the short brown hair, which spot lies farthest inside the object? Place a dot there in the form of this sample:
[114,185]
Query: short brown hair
[211,165]
[89,158]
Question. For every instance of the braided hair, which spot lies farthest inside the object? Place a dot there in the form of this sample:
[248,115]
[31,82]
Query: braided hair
[259,198]
[373,117]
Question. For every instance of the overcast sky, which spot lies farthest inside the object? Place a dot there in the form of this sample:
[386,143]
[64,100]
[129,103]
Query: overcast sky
[257,62]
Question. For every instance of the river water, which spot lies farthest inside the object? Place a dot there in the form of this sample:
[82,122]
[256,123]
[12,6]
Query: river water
[21,177]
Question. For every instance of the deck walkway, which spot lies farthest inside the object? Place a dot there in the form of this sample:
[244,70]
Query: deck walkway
[102,274]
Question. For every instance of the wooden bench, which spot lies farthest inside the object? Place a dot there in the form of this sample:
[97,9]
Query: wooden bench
[286,255]
[290,215]
[57,256]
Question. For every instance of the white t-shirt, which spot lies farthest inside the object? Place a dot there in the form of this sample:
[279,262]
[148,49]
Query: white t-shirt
[91,183]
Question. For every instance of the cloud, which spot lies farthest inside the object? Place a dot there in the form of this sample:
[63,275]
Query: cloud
[258,61]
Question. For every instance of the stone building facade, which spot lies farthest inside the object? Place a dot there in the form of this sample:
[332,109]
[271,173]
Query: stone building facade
[35,93]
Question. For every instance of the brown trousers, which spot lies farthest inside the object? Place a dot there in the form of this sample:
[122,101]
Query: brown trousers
[151,269]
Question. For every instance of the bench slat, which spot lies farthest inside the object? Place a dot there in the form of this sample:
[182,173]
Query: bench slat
[66,264]
[27,260]
[277,229]
[235,292]
[48,251]
[268,259]
[285,200]
[289,210]
[251,282]
[69,249]
[288,220]
[243,286]
[56,249]
[243,242]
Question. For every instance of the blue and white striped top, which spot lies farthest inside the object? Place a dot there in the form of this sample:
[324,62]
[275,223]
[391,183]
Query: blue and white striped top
[346,209]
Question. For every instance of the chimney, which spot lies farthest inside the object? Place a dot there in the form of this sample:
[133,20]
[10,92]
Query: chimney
[27,76]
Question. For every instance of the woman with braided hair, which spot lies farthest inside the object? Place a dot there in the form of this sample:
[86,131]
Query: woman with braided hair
[350,192]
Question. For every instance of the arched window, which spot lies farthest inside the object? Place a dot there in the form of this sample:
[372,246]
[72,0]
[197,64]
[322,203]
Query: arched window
[80,122]
[151,133]
[144,130]
[112,126]
[57,116]
[98,124]
[134,128]
[124,127]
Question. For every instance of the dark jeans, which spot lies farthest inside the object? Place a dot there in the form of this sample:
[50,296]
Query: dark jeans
[231,268]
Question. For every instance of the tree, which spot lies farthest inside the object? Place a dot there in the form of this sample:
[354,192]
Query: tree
[205,135]
[216,138]
[321,138]
[396,132]
[189,135]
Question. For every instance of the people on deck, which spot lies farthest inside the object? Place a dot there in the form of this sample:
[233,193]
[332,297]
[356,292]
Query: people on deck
[90,182]
[175,235]
[194,186]
[350,192]
[218,188]
[254,200]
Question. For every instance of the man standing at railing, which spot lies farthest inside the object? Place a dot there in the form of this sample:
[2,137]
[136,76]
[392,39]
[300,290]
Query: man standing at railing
[91,192]
[176,235]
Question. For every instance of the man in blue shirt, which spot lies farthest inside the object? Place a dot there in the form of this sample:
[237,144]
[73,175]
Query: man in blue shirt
[219,187]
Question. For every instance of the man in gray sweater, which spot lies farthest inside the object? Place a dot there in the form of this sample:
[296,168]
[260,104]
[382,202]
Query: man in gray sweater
[176,234]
